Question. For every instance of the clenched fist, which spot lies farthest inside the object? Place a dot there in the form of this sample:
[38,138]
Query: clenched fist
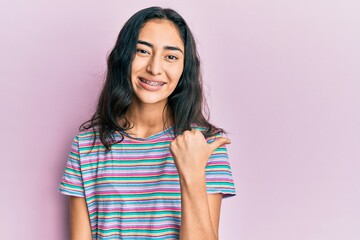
[191,152]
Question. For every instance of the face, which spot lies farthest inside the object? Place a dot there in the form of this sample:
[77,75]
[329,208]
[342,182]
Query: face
[158,62]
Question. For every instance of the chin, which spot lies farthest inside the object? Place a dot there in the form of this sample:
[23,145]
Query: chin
[150,100]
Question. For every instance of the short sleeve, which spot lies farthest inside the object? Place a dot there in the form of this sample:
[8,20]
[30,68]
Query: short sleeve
[219,177]
[72,182]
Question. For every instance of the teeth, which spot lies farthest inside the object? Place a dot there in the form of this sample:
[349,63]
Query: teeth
[152,83]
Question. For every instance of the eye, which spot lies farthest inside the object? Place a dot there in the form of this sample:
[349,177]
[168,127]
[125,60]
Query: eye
[142,51]
[172,57]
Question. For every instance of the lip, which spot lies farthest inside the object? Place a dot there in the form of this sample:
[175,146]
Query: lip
[149,87]
[151,79]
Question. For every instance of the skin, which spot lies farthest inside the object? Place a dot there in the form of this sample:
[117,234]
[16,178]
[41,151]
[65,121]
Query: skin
[79,219]
[160,58]
[156,63]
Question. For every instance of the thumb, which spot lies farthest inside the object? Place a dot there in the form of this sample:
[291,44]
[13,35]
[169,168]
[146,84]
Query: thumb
[219,142]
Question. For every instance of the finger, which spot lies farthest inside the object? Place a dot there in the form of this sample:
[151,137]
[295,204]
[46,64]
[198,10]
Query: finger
[219,142]
[195,132]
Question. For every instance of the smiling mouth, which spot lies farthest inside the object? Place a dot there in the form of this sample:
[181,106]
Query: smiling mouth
[152,83]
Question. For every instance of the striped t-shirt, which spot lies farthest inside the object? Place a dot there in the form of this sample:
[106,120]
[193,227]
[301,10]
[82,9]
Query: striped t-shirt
[133,191]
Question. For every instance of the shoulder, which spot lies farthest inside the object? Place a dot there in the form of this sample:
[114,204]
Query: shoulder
[86,136]
[195,126]
[205,131]
[91,132]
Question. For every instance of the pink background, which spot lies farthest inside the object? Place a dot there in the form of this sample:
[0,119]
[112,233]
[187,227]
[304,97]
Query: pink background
[284,80]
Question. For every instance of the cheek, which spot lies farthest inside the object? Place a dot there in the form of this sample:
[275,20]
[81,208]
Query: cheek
[176,72]
[138,64]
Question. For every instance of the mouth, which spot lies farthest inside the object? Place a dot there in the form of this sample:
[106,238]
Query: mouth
[152,83]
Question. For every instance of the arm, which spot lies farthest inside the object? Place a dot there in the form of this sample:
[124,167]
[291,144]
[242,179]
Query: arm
[79,219]
[200,212]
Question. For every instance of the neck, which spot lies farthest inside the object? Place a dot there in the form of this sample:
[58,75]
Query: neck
[147,119]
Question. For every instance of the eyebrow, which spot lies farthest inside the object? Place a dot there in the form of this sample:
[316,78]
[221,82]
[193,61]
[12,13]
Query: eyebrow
[165,47]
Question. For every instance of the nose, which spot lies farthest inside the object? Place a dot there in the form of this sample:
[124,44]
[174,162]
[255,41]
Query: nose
[155,65]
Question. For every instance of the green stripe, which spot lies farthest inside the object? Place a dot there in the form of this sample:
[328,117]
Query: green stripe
[219,184]
[66,185]
[129,231]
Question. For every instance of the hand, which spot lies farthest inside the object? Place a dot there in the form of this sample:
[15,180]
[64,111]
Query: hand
[191,153]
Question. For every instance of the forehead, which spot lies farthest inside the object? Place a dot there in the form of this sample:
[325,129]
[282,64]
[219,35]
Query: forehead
[161,32]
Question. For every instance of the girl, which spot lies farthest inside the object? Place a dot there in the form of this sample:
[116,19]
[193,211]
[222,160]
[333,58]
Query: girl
[148,164]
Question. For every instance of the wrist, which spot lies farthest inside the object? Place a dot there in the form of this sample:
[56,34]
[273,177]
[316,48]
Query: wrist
[192,180]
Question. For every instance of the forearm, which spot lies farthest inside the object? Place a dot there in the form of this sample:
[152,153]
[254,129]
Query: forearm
[79,220]
[195,214]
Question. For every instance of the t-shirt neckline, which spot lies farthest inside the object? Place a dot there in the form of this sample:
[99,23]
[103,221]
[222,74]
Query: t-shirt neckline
[151,137]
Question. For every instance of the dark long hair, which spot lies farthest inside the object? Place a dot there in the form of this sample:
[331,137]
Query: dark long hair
[187,103]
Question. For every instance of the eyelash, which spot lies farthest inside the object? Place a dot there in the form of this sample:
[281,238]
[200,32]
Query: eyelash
[142,51]
[174,57]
